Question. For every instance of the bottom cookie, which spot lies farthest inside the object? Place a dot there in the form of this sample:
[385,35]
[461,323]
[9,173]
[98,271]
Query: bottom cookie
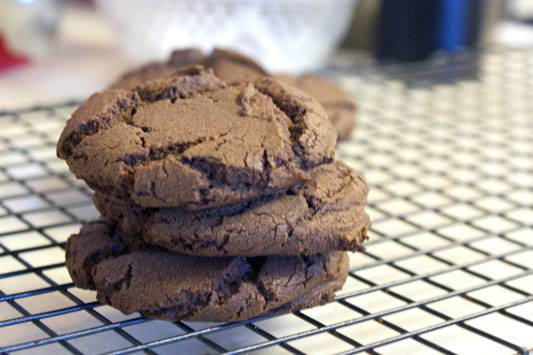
[135,277]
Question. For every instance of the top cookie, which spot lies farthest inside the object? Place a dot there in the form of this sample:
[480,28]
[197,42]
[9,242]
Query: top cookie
[228,65]
[194,142]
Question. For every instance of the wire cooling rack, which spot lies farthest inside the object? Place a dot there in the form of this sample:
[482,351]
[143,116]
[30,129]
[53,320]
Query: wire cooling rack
[448,269]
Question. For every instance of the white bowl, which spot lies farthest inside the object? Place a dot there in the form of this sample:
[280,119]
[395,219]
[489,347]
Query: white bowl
[284,35]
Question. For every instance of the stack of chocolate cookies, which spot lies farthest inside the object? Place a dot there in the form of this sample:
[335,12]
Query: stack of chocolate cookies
[220,200]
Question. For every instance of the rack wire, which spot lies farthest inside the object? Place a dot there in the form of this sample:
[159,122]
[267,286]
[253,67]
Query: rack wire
[447,150]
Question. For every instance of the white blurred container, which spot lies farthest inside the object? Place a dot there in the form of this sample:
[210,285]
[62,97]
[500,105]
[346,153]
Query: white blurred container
[30,26]
[284,35]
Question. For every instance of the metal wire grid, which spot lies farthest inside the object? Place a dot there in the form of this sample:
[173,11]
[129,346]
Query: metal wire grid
[449,267]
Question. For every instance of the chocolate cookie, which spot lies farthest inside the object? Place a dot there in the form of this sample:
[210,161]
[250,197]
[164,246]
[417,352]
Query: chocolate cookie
[232,66]
[326,214]
[192,141]
[164,285]
[228,65]
[338,103]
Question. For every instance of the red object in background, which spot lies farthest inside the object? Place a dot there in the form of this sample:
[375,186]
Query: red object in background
[8,59]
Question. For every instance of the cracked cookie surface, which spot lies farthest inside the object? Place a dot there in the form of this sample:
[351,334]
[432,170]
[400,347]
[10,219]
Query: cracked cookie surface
[339,104]
[135,277]
[232,66]
[194,142]
[327,213]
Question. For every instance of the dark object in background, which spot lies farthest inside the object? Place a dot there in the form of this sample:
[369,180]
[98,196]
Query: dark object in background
[408,30]
[411,30]
[459,23]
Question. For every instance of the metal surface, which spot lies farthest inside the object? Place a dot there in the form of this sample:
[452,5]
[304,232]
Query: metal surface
[449,267]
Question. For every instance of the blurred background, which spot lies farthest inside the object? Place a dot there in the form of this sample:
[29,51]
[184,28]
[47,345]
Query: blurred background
[443,137]
[53,50]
